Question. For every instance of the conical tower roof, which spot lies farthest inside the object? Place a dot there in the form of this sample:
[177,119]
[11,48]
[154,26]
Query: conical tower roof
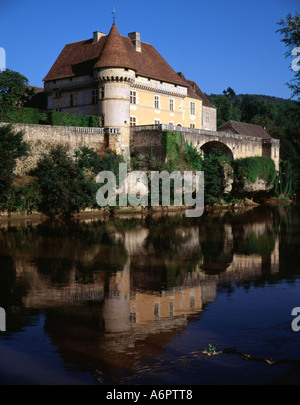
[115,52]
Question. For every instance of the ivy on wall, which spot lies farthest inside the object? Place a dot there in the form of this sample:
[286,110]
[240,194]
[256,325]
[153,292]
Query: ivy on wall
[254,167]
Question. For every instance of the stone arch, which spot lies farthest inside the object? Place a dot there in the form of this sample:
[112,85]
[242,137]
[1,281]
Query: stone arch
[218,147]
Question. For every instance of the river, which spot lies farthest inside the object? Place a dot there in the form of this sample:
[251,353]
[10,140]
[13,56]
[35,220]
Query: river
[152,300]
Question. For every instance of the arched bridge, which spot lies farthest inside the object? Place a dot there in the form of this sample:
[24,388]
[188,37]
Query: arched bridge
[147,139]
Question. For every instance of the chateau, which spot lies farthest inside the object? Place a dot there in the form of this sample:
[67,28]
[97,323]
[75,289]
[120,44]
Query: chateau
[131,88]
[125,82]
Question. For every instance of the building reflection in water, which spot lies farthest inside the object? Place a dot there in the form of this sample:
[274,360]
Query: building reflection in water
[167,276]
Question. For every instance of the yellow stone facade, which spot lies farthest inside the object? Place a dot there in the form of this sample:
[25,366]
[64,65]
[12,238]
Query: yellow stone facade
[163,103]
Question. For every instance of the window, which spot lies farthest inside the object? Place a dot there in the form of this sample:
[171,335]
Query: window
[171,123]
[58,109]
[94,97]
[156,122]
[156,101]
[102,93]
[132,97]
[192,125]
[71,100]
[192,108]
[58,94]
[132,121]
[207,116]
[171,104]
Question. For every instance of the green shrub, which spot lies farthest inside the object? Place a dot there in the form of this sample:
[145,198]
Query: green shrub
[213,176]
[12,147]
[64,189]
[253,168]
[284,181]
[193,158]
[20,115]
[71,120]
[26,197]
[25,115]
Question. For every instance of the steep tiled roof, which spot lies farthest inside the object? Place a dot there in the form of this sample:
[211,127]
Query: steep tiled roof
[244,128]
[190,91]
[198,91]
[116,52]
[195,92]
[113,50]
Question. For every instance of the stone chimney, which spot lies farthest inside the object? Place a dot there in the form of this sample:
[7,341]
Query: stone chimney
[135,38]
[97,36]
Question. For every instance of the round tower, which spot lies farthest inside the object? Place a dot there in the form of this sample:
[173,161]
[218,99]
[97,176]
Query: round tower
[114,90]
[115,72]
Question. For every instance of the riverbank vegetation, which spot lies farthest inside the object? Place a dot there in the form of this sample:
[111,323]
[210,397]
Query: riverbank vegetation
[64,183]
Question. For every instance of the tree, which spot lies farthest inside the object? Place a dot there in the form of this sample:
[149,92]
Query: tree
[229,93]
[226,111]
[12,147]
[62,183]
[14,90]
[290,29]
[214,176]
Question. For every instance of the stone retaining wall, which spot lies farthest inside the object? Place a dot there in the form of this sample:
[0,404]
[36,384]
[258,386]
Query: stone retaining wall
[42,137]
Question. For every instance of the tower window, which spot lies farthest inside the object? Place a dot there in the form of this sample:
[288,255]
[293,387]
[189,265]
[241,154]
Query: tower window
[132,97]
[102,93]
[94,97]
[171,104]
[156,101]
[207,116]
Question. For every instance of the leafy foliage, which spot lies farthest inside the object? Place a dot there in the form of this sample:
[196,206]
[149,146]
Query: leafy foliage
[26,115]
[213,176]
[226,110]
[12,147]
[14,89]
[284,181]
[72,120]
[62,183]
[255,167]
[290,30]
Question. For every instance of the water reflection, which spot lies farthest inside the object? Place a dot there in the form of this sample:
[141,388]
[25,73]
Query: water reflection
[113,293]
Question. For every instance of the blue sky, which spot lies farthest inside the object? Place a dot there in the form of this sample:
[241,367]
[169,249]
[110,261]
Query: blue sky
[215,43]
